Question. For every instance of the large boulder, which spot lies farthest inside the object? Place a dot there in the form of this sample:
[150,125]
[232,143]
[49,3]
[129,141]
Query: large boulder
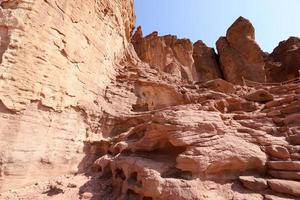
[240,55]
[206,62]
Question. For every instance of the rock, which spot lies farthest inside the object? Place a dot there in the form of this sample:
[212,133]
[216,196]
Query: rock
[71,185]
[205,61]
[52,62]
[286,187]
[295,139]
[284,165]
[254,184]
[260,96]
[285,174]
[240,56]
[278,152]
[220,85]
[293,119]
[283,63]
[167,54]
[273,197]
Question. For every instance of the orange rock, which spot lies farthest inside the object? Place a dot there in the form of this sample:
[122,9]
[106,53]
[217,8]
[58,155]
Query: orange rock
[290,175]
[220,85]
[278,152]
[283,62]
[284,186]
[260,96]
[284,165]
[240,56]
[254,184]
[205,61]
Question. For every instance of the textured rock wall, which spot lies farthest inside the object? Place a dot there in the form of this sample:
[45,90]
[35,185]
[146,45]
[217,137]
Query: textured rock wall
[55,55]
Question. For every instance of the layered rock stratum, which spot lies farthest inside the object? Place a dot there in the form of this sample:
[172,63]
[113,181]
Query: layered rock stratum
[91,110]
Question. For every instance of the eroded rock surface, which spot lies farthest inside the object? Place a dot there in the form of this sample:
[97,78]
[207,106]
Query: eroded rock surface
[53,63]
[284,62]
[240,55]
[142,120]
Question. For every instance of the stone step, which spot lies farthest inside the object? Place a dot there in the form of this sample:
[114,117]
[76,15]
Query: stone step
[284,165]
[285,174]
[253,183]
[285,186]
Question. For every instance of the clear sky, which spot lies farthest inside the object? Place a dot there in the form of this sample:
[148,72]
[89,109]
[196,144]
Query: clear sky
[274,20]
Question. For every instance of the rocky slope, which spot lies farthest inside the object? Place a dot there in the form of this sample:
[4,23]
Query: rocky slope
[90,110]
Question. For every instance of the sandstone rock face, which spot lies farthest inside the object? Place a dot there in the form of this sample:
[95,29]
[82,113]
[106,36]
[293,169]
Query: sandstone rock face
[166,53]
[51,62]
[84,114]
[284,62]
[240,56]
[206,62]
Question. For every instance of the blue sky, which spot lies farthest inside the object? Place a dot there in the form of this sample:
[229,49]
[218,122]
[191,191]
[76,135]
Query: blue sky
[274,20]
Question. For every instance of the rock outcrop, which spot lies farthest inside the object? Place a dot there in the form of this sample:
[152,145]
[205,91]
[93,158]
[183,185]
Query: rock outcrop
[86,114]
[56,56]
[206,62]
[179,57]
[283,63]
[166,53]
[240,55]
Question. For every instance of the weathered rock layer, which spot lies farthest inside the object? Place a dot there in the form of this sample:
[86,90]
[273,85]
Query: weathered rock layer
[152,117]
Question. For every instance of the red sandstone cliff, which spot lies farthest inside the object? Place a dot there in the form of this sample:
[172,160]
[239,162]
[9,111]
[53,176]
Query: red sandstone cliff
[89,110]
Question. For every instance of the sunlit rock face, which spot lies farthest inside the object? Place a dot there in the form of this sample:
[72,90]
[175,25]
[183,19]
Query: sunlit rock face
[54,56]
[206,62]
[179,57]
[240,55]
[284,62]
[89,110]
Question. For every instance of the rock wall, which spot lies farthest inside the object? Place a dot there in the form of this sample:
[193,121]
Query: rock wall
[55,56]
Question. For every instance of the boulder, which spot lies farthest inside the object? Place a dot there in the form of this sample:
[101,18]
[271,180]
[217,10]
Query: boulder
[240,55]
[220,85]
[260,96]
[206,62]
